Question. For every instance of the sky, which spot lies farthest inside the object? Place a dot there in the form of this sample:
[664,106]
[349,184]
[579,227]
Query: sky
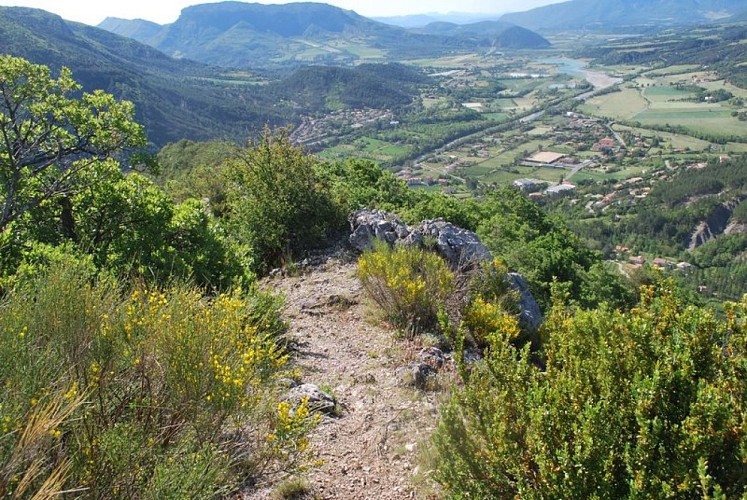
[167,11]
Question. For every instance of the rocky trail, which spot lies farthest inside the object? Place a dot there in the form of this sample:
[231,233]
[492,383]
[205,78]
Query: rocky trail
[371,450]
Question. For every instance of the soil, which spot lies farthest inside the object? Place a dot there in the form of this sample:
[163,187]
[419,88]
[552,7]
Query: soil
[373,449]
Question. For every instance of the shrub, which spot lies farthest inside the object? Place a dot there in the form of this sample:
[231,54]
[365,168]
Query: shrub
[145,393]
[409,284]
[490,303]
[645,404]
[277,205]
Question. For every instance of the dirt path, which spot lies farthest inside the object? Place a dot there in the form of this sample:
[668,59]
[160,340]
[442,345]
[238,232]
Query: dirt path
[371,450]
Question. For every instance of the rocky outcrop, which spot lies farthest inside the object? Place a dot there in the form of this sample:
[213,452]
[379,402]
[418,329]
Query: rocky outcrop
[715,225]
[530,316]
[459,247]
[736,228]
[367,226]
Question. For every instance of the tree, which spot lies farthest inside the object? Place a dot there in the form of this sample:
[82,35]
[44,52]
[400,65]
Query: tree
[50,133]
[277,204]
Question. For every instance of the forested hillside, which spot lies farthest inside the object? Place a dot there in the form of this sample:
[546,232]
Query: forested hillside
[173,97]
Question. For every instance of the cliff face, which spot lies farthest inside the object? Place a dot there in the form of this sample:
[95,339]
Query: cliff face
[717,223]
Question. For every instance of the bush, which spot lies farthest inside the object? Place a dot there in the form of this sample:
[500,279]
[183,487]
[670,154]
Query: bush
[645,404]
[149,393]
[491,304]
[277,205]
[409,284]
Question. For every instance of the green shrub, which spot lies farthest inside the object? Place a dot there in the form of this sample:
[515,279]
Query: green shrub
[277,205]
[645,404]
[409,284]
[141,393]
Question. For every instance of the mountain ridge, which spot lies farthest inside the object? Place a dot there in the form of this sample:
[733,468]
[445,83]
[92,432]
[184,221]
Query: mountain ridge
[601,14]
[243,35]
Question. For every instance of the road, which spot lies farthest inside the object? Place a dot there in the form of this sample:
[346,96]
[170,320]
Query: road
[618,138]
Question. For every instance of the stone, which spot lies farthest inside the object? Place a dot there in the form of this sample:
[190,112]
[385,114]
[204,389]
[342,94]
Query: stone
[460,248]
[531,315]
[416,374]
[471,355]
[317,398]
[433,357]
[369,225]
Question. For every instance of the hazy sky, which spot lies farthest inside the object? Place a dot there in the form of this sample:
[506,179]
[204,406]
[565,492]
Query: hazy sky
[166,11]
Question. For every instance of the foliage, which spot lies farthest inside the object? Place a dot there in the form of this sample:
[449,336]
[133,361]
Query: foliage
[277,205]
[357,184]
[193,170]
[649,403]
[50,136]
[130,227]
[141,393]
[410,285]
[542,248]
[381,86]
[491,304]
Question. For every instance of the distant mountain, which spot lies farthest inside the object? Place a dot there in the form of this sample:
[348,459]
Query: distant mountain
[603,14]
[137,29]
[421,20]
[496,33]
[244,35]
[174,99]
[414,21]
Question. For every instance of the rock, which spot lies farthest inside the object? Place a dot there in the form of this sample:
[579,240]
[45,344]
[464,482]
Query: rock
[287,383]
[433,357]
[471,355]
[318,399]
[459,247]
[369,225]
[531,315]
[416,374]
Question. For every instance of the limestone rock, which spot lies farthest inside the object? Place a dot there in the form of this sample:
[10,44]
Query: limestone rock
[318,399]
[531,315]
[433,357]
[459,247]
[369,225]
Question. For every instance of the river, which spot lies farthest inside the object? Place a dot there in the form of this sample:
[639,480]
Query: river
[578,68]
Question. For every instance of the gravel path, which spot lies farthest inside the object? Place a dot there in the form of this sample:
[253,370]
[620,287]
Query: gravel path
[371,451]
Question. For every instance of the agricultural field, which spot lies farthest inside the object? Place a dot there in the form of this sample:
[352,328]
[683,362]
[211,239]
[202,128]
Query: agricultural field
[672,100]
[365,147]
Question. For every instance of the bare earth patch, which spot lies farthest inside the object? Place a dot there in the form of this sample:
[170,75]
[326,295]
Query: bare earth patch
[371,450]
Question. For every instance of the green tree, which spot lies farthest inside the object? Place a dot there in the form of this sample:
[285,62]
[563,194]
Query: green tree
[49,135]
[277,203]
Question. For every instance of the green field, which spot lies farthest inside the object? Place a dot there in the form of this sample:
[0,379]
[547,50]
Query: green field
[663,105]
[365,147]
[674,70]
[625,104]
[676,141]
